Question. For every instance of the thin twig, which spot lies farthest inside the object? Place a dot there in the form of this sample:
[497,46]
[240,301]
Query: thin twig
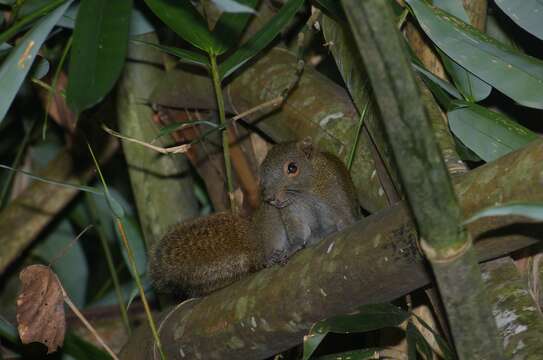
[65,249]
[77,313]
[180,149]
[273,102]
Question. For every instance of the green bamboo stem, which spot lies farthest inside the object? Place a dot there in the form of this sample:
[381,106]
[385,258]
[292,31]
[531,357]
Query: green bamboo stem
[425,179]
[222,119]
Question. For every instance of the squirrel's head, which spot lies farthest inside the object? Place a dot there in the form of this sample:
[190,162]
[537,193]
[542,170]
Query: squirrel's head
[287,172]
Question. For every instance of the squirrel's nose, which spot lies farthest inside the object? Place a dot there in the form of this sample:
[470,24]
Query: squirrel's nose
[278,199]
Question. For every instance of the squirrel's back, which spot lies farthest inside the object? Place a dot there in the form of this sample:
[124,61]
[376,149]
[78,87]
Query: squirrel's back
[201,255]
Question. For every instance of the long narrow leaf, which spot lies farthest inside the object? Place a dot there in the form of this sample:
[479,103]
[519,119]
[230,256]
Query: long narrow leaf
[234,6]
[525,13]
[471,87]
[83,188]
[332,8]
[19,61]
[532,211]
[316,334]
[100,42]
[231,25]
[367,318]
[261,39]
[184,55]
[489,134]
[185,20]
[517,75]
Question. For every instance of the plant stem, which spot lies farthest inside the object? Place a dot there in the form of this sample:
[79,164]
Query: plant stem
[358,132]
[225,140]
[14,29]
[16,162]
[150,318]
[109,259]
[425,179]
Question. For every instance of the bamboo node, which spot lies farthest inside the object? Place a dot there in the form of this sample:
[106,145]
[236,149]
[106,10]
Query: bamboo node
[446,256]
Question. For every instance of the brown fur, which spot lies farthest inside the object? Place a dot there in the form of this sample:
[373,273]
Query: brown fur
[203,255]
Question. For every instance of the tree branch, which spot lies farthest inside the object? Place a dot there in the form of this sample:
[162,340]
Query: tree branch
[376,260]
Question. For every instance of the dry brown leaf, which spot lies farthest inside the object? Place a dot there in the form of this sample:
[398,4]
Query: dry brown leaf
[40,308]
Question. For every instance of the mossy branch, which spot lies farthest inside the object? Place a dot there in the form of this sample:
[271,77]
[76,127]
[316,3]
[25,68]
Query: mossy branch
[375,261]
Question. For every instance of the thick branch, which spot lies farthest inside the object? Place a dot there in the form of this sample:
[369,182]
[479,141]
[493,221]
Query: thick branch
[519,322]
[375,260]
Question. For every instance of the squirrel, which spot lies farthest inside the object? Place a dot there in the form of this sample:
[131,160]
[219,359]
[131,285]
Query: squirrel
[307,194]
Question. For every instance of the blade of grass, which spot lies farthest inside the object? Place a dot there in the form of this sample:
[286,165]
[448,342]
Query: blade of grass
[16,162]
[261,39]
[121,230]
[109,260]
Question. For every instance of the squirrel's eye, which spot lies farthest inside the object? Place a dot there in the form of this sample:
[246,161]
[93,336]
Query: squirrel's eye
[291,168]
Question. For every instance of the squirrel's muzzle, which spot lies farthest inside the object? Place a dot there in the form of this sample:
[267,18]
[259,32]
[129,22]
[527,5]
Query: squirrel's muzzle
[278,199]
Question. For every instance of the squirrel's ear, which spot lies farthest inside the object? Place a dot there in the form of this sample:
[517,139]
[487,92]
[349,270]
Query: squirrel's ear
[306,146]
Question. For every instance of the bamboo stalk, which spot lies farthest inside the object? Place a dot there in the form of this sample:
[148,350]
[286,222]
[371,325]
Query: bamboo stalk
[376,260]
[425,179]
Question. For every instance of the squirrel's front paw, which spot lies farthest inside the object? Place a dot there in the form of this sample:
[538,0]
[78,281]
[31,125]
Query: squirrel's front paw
[278,257]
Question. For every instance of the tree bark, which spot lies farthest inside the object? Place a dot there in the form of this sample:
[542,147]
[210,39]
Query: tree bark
[162,184]
[520,323]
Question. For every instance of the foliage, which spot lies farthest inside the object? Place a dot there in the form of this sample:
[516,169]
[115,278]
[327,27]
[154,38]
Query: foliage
[491,94]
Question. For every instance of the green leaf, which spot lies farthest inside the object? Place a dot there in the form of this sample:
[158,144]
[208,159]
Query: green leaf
[168,129]
[231,6]
[442,343]
[19,61]
[332,8]
[367,318]
[471,87]
[532,211]
[230,26]
[312,340]
[525,13]
[186,21]
[100,42]
[139,24]
[88,189]
[489,134]
[465,152]
[188,56]
[416,341]
[39,69]
[517,75]
[261,39]
[362,354]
